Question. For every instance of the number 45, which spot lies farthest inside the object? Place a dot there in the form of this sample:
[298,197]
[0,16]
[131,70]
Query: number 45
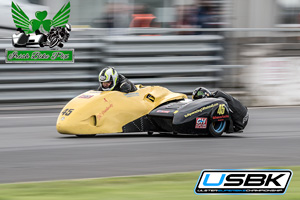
[221,109]
[67,112]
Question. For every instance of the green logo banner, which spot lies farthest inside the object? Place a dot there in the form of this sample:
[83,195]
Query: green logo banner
[39,56]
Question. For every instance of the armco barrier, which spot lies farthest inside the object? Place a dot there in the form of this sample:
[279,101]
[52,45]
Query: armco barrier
[59,82]
[179,63]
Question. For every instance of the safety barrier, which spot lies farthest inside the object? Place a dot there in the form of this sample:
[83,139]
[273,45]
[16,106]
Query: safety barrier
[25,83]
[179,63]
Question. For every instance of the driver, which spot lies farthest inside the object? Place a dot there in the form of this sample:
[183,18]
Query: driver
[238,112]
[111,80]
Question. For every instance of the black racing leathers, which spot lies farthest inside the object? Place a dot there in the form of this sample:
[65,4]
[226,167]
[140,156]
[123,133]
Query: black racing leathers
[239,112]
[123,85]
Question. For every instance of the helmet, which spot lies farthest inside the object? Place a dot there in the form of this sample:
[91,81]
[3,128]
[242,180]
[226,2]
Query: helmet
[68,27]
[106,75]
[201,92]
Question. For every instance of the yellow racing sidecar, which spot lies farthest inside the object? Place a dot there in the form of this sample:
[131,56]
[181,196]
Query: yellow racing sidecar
[100,112]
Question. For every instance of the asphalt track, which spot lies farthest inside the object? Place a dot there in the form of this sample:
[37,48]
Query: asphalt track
[32,150]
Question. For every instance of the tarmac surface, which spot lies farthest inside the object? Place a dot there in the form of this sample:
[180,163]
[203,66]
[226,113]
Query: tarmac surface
[32,150]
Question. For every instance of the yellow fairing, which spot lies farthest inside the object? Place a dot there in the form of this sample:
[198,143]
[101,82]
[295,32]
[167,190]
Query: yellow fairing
[96,112]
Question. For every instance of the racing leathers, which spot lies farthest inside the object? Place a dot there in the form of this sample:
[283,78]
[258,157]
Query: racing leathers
[239,112]
[123,85]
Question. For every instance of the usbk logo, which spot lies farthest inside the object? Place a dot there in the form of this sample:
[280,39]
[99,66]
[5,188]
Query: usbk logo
[236,181]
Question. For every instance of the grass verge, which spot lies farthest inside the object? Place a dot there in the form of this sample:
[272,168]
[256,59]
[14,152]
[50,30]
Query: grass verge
[158,187]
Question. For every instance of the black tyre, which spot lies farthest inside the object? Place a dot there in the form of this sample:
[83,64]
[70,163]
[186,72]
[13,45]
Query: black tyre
[16,45]
[216,129]
[150,133]
[42,41]
[86,136]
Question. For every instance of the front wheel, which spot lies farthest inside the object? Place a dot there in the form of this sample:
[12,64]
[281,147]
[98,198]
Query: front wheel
[216,129]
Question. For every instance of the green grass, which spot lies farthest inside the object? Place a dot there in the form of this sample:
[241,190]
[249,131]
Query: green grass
[157,187]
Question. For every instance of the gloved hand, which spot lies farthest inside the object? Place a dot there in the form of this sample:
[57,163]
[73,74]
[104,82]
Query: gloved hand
[125,87]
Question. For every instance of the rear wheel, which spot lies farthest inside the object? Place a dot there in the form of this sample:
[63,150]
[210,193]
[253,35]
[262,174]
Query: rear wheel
[42,41]
[216,129]
[150,133]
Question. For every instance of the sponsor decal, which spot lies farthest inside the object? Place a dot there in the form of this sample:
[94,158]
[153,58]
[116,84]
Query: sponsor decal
[96,92]
[85,96]
[41,32]
[201,122]
[221,109]
[107,109]
[221,118]
[150,97]
[102,113]
[243,182]
[201,110]
[133,94]
[163,111]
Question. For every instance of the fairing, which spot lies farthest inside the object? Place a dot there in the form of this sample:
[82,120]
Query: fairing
[96,112]
[181,116]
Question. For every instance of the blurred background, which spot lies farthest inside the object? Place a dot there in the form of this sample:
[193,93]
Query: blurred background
[248,48]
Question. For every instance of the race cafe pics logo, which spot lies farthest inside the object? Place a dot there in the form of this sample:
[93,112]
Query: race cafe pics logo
[39,33]
[243,182]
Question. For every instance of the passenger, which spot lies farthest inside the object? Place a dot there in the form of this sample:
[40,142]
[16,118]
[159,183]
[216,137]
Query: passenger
[238,112]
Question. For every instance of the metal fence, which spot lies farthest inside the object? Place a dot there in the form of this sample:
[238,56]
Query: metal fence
[178,62]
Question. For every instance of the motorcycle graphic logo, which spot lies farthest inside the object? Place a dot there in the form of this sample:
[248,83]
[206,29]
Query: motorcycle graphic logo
[41,31]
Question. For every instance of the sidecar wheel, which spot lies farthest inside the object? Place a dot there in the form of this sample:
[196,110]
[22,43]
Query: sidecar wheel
[216,129]
[150,133]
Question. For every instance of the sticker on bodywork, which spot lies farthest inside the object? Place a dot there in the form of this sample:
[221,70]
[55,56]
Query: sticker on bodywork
[150,97]
[163,111]
[135,94]
[201,123]
[84,96]
[201,110]
[221,118]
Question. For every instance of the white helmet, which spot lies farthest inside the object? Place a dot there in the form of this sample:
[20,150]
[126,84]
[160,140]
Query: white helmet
[106,75]
[68,27]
